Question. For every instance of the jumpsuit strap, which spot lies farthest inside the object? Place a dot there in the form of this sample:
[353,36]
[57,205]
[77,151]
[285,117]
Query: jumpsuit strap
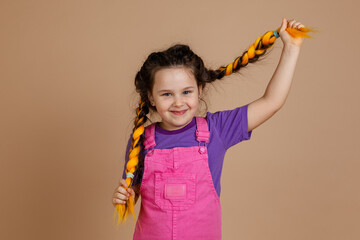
[202,131]
[150,136]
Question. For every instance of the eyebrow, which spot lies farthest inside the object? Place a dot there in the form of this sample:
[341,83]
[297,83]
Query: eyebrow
[165,90]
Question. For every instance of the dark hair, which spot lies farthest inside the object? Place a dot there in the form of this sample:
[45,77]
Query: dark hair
[178,55]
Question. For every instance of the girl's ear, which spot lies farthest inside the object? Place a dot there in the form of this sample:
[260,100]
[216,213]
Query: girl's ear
[200,92]
[151,99]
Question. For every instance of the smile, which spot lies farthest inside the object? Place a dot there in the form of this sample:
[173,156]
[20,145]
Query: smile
[178,112]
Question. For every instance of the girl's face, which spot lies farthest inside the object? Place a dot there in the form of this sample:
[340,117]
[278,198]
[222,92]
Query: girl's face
[176,97]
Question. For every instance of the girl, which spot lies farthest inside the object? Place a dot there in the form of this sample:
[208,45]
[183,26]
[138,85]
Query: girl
[175,165]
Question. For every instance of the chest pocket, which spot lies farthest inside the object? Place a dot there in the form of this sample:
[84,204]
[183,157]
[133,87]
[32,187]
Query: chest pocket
[175,191]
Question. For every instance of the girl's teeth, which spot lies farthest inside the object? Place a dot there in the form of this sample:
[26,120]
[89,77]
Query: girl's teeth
[179,112]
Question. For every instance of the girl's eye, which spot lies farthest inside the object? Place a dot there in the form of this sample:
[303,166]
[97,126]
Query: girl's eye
[169,94]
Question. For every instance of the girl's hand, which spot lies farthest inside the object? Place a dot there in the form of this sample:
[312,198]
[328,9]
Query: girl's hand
[285,36]
[121,195]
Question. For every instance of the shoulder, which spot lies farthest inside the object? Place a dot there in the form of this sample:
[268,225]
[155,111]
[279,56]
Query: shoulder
[226,114]
[230,124]
[148,126]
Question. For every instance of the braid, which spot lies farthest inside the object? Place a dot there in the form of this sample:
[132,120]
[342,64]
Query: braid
[132,165]
[257,49]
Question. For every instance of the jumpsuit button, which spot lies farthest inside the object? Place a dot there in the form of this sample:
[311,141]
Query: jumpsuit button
[202,150]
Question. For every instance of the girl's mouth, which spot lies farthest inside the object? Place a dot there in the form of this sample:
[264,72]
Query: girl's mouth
[178,112]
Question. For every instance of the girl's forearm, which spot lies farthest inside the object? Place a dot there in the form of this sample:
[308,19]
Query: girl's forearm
[279,85]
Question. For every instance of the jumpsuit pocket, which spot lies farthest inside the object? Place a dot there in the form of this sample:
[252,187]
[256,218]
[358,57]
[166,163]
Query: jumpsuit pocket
[175,191]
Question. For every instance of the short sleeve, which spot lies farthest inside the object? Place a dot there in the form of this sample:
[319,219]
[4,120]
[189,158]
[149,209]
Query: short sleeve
[137,179]
[231,125]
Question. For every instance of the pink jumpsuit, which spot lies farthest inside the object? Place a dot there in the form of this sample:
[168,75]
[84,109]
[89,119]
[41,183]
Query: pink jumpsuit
[178,197]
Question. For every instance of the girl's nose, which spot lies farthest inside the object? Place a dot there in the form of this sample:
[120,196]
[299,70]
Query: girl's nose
[178,101]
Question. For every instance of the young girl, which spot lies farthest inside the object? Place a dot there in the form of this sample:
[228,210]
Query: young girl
[175,165]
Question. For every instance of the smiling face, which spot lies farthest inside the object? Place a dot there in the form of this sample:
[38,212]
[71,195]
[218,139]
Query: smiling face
[175,95]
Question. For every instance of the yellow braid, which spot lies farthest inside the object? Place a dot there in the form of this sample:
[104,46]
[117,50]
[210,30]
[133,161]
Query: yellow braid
[122,209]
[257,49]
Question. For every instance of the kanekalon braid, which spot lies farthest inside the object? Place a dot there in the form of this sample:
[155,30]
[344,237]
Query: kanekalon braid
[122,209]
[257,49]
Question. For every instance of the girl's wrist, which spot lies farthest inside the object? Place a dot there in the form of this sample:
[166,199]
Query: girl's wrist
[292,47]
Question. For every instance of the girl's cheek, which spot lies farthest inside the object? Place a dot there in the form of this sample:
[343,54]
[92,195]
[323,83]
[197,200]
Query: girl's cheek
[166,103]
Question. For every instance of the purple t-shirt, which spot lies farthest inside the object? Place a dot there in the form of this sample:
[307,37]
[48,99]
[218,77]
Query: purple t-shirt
[227,128]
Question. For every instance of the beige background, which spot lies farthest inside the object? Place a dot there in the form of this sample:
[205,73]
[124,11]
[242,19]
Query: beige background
[67,102]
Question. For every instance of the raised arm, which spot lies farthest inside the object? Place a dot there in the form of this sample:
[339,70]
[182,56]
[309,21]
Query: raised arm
[278,88]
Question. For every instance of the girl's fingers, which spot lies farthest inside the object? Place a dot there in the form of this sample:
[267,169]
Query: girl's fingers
[121,196]
[301,26]
[298,25]
[123,183]
[131,191]
[121,188]
[291,23]
[294,24]
[122,191]
[118,201]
